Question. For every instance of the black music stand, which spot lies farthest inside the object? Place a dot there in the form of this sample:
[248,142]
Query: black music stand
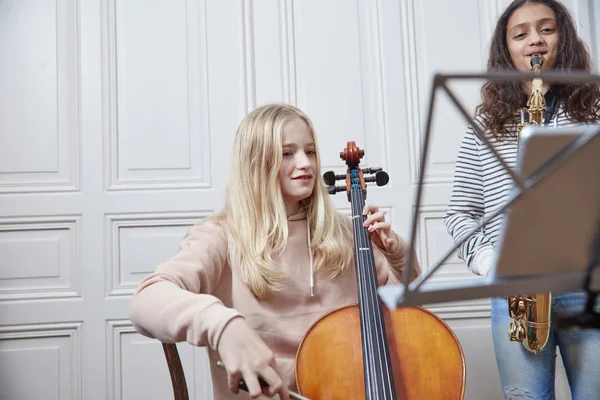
[551,228]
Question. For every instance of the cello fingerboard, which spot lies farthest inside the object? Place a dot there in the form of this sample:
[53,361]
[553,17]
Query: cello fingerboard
[378,375]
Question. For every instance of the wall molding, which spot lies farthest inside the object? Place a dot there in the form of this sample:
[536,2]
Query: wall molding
[47,332]
[118,177]
[72,288]
[66,178]
[115,222]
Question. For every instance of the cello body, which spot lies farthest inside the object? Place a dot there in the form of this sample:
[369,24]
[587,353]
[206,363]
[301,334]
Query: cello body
[427,359]
[366,351]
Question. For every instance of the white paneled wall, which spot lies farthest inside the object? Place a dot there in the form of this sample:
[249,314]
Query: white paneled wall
[44,258]
[41,361]
[39,120]
[117,119]
[156,95]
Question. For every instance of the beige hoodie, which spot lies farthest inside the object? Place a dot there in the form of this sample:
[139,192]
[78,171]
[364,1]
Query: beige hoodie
[194,295]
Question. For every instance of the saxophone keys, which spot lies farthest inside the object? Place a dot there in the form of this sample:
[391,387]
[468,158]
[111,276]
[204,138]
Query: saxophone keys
[516,332]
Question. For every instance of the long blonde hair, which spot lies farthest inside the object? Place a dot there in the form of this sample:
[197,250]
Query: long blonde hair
[255,214]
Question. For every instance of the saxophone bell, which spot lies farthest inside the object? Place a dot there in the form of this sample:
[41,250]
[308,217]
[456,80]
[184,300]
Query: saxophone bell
[531,323]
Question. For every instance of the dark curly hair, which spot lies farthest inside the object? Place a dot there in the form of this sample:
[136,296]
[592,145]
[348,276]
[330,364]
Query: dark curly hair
[500,100]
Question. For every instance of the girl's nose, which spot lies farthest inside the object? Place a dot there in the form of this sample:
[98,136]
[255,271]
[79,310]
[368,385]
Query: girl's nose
[302,160]
[535,38]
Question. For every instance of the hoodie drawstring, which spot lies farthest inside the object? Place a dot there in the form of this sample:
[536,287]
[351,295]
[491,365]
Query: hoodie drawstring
[310,259]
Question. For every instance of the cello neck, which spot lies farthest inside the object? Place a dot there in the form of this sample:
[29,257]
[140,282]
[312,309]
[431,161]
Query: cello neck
[378,376]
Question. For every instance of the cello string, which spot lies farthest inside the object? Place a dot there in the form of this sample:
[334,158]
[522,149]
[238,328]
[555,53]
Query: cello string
[370,370]
[371,281]
[373,326]
[368,359]
[381,351]
[368,307]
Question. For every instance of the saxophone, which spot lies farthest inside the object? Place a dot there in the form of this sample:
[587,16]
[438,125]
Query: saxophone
[531,312]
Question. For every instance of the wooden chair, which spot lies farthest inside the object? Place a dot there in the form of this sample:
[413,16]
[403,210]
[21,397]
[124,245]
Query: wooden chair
[180,391]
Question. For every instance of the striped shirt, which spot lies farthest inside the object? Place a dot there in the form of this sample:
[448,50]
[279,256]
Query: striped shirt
[481,186]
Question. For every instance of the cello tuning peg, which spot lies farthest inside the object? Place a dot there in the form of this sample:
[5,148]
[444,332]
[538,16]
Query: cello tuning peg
[332,189]
[330,177]
[371,170]
[381,178]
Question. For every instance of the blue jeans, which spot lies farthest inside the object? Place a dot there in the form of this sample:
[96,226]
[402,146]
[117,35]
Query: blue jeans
[525,375]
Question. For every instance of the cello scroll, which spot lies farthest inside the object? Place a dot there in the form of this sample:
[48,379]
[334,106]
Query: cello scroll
[355,176]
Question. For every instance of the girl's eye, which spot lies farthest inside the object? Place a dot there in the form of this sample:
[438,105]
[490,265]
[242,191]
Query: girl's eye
[287,153]
[520,36]
[311,152]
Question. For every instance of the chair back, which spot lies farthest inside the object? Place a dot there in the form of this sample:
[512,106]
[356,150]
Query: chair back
[180,391]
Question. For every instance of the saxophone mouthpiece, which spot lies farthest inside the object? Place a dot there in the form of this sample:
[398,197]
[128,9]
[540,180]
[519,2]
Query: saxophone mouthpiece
[536,61]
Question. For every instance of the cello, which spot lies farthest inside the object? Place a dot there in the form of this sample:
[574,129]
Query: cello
[366,351]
